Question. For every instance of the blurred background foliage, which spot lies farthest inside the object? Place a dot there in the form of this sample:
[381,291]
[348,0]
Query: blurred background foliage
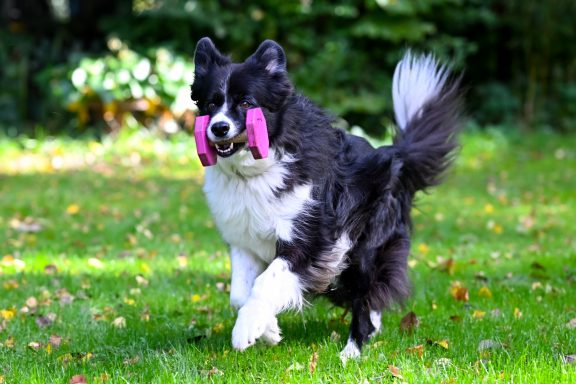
[71,66]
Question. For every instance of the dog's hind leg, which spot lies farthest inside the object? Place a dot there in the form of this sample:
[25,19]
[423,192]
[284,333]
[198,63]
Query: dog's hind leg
[361,329]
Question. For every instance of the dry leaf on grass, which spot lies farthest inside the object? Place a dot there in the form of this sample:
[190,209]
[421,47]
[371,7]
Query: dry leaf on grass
[78,379]
[313,362]
[409,322]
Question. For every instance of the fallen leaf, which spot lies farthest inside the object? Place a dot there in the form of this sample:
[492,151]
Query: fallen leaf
[32,302]
[448,266]
[55,340]
[9,342]
[459,292]
[443,362]
[46,321]
[119,322]
[196,298]
[313,363]
[517,313]
[78,379]
[417,350]
[395,372]
[569,359]
[34,345]
[571,324]
[456,318]
[73,209]
[478,314]
[7,314]
[50,269]
[10,284]
[485,292]
[214,371]
[335,336]
[141,280]
[95,263]
[295,367]
[131,360]
[441,343]
[409,322]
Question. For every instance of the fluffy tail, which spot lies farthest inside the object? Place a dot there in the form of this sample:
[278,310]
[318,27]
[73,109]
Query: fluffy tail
[427,104]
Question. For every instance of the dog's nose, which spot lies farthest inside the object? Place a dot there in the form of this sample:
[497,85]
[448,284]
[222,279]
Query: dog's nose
[220,129]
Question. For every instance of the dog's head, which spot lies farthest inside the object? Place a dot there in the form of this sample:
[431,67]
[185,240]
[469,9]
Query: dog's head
[225,90]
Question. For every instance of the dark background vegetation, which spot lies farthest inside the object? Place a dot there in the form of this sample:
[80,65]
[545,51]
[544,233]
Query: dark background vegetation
[519,57]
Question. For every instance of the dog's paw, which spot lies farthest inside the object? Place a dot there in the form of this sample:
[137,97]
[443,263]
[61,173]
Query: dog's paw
[272,335]
[252,323]
[350,351]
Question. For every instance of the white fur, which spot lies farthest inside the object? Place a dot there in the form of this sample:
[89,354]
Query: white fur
[222,117]
[240,192]
[417,79]
[376,319]
[245,269]
[350,351]
[275,290]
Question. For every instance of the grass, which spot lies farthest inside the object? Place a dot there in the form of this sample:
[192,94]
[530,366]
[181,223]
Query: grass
[111,270]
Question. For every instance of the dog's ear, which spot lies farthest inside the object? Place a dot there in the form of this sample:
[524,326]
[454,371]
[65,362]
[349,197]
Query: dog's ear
[206,55]
[269,56]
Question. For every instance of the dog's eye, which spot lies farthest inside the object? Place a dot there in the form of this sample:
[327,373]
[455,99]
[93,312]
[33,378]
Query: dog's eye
[244,104]
[211,107]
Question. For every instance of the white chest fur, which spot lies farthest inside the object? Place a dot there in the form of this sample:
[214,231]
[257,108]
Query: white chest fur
[240,193]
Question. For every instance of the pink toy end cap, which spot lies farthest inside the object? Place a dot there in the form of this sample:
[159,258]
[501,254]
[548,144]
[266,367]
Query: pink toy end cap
[257,133]
[206,153]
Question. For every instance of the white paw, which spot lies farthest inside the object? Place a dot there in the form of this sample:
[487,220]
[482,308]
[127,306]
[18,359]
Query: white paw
[272,335]
[350,351]
[253,320]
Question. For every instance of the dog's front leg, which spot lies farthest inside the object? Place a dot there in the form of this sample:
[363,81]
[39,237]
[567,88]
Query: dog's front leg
[245,269]
[276,289]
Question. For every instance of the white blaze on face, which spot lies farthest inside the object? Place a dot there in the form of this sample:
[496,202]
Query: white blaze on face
[222,116]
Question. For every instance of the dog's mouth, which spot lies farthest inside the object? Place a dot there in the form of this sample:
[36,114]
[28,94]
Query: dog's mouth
[227,148]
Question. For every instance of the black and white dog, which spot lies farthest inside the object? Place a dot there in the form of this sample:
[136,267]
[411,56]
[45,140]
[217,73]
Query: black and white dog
[325,212]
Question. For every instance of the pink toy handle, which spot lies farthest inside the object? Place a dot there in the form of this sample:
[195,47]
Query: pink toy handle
[257,133]
[206,153]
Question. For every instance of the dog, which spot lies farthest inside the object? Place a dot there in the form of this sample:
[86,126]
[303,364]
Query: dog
[325,213]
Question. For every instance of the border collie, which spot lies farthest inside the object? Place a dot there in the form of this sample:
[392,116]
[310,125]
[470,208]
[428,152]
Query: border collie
[325,212]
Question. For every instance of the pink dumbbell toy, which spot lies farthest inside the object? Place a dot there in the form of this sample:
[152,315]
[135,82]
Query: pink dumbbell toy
[256,134]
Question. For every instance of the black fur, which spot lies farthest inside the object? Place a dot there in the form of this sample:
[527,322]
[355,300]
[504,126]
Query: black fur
[363,192]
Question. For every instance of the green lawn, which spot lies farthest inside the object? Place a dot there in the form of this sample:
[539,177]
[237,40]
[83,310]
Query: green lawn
[111,268]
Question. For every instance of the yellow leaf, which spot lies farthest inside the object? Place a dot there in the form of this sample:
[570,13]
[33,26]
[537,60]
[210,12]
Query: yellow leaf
[423,248]
[145,268]
[48,348]
[7,313]
[73,209]
[442,343]
[485,292]
[218,328]
[478,314]
[129,301]
[2,380]
[95,263]
[517,313]
[10,284]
